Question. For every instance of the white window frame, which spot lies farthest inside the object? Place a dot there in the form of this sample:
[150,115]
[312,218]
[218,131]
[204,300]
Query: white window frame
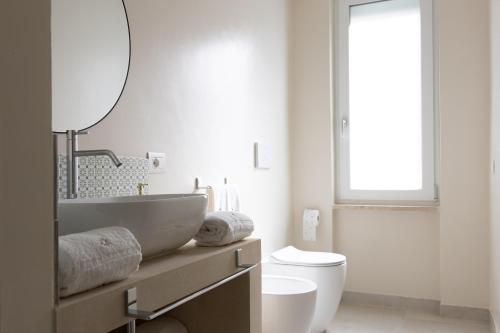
[344,194]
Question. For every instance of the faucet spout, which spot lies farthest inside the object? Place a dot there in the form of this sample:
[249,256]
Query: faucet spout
[99,152]
[73,153]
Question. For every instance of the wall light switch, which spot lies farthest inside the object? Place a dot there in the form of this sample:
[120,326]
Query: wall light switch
[157,162]
[262,156]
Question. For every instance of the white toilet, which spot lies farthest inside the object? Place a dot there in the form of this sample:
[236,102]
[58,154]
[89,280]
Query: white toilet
[326,269]
[288,304]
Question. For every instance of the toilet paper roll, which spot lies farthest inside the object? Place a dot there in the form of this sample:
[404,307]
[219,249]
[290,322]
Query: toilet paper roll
[162,325]
[310,222]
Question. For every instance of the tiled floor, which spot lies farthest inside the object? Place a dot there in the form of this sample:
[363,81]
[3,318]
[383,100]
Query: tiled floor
[365,319]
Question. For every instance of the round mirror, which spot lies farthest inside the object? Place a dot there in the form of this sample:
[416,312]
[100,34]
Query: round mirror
[90,61]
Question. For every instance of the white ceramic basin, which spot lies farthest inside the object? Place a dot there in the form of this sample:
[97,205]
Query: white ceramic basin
[159,222]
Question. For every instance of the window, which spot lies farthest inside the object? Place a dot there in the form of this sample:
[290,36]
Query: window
[385,101]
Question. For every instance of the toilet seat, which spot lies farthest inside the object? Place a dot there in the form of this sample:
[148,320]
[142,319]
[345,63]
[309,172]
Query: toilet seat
[293,256]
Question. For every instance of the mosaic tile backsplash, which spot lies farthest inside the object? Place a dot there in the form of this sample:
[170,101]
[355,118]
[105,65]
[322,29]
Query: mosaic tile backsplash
[99,178]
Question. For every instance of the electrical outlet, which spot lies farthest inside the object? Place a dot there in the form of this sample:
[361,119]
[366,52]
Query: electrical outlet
[157,162]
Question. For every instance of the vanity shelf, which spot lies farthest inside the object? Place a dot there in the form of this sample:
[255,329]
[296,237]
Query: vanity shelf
[166,279]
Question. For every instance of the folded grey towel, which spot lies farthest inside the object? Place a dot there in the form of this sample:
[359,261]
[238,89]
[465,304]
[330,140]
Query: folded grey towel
[222,228]
[93,258]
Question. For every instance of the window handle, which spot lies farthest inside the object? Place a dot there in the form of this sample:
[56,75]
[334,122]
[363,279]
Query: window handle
[345,124]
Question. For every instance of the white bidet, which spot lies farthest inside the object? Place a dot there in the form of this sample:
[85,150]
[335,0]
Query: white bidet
[288,304]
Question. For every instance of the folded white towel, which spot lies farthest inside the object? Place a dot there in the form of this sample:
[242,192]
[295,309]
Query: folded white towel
[219,193]
[222,228]
[233,198]
[93,258]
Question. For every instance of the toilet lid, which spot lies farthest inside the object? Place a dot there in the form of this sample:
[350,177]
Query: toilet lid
[292,256]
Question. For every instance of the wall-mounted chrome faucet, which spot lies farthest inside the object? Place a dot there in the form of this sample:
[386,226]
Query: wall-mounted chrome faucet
[73,153]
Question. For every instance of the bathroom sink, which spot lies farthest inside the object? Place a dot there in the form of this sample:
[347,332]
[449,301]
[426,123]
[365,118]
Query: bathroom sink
[159,222]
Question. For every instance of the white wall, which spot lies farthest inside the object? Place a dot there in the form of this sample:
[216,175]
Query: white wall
[439,254]
[495,155]
[208,78]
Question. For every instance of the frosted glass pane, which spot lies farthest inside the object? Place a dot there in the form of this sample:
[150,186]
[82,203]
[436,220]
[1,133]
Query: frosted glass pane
[385,96]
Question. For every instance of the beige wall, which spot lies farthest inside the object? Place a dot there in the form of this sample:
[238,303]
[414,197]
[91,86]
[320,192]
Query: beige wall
[208,79]
[463,28]
[26,219]
[390,252]
[311,123]
[495,155]
[432,254]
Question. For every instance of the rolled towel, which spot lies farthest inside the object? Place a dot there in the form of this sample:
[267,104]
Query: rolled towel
[222,228]
[93,258]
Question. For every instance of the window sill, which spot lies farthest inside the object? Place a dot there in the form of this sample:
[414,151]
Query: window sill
[385,207]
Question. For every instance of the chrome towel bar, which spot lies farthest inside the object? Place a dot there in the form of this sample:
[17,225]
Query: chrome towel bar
[131,296]
[198,186]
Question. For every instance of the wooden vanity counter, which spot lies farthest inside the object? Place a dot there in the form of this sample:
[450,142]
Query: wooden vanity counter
[165,279]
